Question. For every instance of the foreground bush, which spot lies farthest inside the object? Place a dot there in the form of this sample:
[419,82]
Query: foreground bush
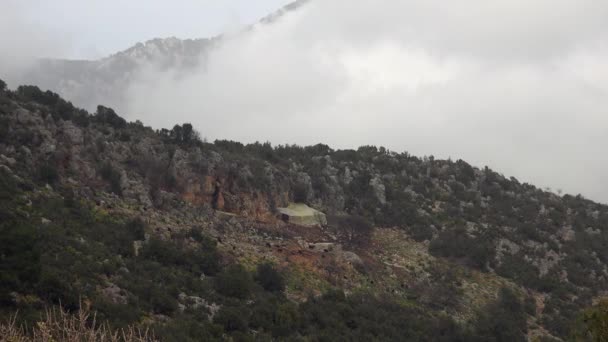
[59,325]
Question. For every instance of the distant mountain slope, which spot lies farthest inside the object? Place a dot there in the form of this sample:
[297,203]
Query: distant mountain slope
[88,83]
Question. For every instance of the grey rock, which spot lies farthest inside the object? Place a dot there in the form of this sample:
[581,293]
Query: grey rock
[72,133]
[352,258]
[115,294]
[566,233]
[7,160]
[379,188]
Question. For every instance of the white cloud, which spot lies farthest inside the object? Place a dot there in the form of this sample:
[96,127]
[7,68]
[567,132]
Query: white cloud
[520,86]
[23,41]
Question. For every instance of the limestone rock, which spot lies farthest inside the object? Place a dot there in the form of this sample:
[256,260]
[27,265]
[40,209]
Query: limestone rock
[348,177]
[566,233]
[351,258]
[114,294]
[379,188]
[72,133]
[7,160]
[302,215]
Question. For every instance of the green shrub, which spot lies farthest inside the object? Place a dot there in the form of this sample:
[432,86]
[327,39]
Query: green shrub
[235,282]
[300,193]
[118,315]
[286,319]
[232,318]
[162,302]
[109,116]
[81,118]
[4,129]
[110,175]
[354,230]
[203,259]
[504,320]
[269,278]
[33,93]
[188,329]
[136,228]
[19,258]
[420,232]
[457,243]
[47,173]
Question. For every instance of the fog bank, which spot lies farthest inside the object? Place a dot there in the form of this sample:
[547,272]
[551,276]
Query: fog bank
[518,86]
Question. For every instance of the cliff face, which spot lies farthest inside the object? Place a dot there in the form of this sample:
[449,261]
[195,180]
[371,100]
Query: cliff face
[429,215]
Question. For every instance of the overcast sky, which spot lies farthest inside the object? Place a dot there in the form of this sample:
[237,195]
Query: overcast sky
[518,85]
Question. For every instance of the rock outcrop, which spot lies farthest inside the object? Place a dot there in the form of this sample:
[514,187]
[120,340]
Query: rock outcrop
[301,214]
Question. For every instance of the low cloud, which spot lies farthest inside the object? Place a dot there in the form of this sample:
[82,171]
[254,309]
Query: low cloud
[516,85]
[24,40]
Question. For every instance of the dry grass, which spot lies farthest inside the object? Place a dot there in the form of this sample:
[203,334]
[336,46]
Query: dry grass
[58,325]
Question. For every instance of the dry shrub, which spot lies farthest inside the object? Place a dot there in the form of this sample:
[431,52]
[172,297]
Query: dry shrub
[59,325]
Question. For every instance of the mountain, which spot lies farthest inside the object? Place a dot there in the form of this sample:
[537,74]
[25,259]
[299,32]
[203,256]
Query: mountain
[162,231]
[88,83]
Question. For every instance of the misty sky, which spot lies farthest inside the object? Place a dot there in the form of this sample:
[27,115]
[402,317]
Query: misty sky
[518,85]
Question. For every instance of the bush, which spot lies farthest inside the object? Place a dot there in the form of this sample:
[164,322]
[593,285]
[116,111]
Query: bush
[515,267]
[184,134]
[109,116]
[162,302]
[205,259]
[420,232]
[109,174]
[355,230]
[48,174]
[286,319]
[592,325]
[188,329]
[60,325]
[81,118]
[300,193]
[504,320]
[232,318]
[235,282]
[457,243]
[19,258]
[136,228]
[269,278]
[33,93]
[56,289]
[4,130]
[119,238]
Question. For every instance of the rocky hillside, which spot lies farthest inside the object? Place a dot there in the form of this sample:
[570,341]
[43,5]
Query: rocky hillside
[168,231]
